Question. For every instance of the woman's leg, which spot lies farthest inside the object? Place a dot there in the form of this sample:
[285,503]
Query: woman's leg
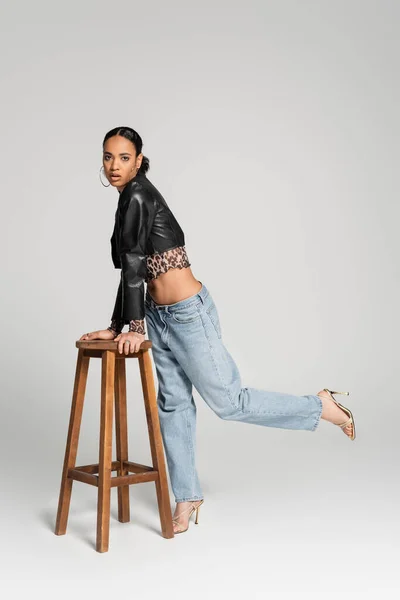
[193,334]
[177,414]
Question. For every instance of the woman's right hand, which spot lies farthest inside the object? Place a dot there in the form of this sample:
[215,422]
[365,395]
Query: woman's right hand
[102,334]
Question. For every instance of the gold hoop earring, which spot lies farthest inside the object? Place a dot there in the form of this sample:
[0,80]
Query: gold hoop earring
[101,178]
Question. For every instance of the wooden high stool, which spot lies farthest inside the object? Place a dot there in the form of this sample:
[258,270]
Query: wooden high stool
[113,385]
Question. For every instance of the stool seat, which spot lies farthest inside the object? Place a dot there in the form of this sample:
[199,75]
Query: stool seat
[113,392]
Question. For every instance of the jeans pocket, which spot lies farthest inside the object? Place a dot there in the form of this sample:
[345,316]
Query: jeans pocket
[212,313]
[186,314]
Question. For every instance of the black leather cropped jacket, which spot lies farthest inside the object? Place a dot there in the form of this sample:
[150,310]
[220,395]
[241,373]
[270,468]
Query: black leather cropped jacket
[144,224]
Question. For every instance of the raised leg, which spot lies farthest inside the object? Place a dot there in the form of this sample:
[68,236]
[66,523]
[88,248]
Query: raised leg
[81,372]
[105,458]
[156,445]
[198,346]
[121,432]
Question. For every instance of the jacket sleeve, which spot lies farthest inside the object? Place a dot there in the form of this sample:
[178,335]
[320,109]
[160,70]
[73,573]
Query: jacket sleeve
[114,253]
[136,221]
[117,324]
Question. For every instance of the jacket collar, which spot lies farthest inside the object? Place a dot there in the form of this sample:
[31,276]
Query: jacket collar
[138,177]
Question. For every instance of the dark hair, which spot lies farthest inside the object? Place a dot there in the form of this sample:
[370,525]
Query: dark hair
[133,136]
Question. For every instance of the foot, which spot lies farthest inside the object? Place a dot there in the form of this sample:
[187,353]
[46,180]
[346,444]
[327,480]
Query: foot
[181,515]
[333,413]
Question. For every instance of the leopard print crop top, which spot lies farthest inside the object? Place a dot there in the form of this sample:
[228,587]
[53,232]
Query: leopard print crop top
[157,263]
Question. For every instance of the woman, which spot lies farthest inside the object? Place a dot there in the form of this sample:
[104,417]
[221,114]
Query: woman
[148,245]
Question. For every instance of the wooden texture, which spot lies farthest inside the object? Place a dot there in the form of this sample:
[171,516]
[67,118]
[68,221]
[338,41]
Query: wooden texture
[156,446]
[105,450]
[121,432]
[78,396]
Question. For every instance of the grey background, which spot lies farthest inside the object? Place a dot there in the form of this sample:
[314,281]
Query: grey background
[272,130]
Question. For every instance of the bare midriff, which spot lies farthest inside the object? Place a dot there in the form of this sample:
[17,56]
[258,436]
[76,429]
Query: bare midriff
[173,286]
[169,280]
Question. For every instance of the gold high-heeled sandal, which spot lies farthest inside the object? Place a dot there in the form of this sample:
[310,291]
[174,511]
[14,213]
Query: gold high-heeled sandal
[350,421]
[191,509]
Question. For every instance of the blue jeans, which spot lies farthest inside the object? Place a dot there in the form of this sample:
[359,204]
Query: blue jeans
[188,351]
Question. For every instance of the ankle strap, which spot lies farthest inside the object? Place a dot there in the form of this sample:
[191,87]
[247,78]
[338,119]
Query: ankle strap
[186,510]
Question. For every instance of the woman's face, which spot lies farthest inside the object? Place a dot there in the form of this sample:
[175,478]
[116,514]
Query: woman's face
[120,161]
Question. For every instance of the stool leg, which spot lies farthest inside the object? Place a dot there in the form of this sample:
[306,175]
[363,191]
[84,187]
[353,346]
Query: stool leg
[156,445]
[121,431]
[105,458]
[81,372]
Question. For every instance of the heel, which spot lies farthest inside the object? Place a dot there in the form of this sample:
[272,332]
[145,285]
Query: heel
[197,512]
[348,412]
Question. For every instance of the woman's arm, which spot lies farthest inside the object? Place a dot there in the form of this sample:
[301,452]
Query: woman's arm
[136,225]
[117,325]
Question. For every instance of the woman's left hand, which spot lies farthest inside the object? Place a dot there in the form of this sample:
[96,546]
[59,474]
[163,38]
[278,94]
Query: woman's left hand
[129,342]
